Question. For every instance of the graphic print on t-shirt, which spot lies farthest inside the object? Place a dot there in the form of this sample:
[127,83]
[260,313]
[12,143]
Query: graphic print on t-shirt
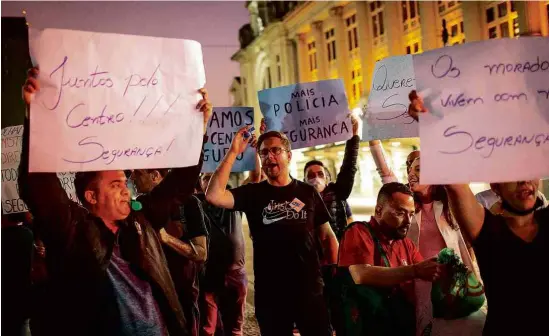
[276,211]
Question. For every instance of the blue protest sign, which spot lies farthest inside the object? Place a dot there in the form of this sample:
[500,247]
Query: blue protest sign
[224,123]
[309,114]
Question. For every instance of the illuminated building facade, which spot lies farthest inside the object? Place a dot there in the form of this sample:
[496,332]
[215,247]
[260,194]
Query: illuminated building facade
[293,42]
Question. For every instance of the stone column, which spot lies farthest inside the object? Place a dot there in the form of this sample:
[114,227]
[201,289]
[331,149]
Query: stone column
[431,27]
[474,21]
[532,17]
[394,29]
[367,61]
[302,61]
[342,48]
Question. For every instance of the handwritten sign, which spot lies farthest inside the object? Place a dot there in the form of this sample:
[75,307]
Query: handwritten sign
[67,182]
[309,114]
[12,138]
[387,111]
[111,101]
[12,145]
[223,125]
[489,111]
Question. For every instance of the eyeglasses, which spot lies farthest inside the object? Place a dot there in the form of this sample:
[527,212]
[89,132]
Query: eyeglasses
[273,150]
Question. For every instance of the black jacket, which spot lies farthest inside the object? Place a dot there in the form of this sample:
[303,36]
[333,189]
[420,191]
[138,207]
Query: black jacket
[79,245]
[336,193]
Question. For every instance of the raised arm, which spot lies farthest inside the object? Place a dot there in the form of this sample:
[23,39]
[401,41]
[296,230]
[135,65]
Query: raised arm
[378,154]
[468,211]
[217,193]
[346,177]
[179,183]
[255,175]
[42,192]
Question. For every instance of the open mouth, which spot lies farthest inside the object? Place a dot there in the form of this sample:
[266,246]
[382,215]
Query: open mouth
[271,165]
[525,193]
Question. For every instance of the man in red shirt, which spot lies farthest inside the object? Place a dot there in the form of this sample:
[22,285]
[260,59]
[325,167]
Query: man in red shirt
[378,254]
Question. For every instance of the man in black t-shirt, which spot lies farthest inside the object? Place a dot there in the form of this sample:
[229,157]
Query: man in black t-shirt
[284,214]
[512,249]
[184,244]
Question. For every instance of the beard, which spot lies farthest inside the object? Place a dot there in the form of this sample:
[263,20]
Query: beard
[272,171]
[394,233]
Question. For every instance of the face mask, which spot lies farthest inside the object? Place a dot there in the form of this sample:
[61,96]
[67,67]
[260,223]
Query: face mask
[131,187]
[318,183]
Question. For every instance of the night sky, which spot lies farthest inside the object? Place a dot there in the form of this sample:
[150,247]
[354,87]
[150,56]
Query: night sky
[214,24]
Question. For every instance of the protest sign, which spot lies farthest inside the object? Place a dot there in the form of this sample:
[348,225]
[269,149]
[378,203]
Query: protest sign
[386,115]
[225,122]
[111,101]
[12,145]
[488,111]
[12,138]
[67,182]
[309,114]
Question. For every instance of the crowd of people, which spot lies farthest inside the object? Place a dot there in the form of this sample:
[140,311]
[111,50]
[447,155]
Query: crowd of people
[171,261]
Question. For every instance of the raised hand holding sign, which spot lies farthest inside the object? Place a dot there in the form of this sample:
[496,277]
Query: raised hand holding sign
[104,104]
[309,114]
[487,109]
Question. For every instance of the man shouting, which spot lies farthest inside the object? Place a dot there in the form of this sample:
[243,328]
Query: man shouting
[284,214]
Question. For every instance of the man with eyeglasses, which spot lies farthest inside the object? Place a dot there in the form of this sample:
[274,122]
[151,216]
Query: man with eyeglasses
[284,215]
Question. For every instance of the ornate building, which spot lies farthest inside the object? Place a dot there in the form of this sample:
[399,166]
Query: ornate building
[290,42]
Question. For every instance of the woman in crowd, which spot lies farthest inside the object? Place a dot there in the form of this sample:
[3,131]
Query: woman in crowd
[433,229]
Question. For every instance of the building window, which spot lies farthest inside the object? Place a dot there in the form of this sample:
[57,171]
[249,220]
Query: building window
[413,48]
[331,44]
[502,19]
[410,14]
[313,66]
[490,15]
[444,6]
[312,56]
[375,5]
[352,35]
[492,33]
[376,12]
[269,79]
[502,9]
[410,10]
[454,30]
[356,84]
[456,33]
[278,69]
